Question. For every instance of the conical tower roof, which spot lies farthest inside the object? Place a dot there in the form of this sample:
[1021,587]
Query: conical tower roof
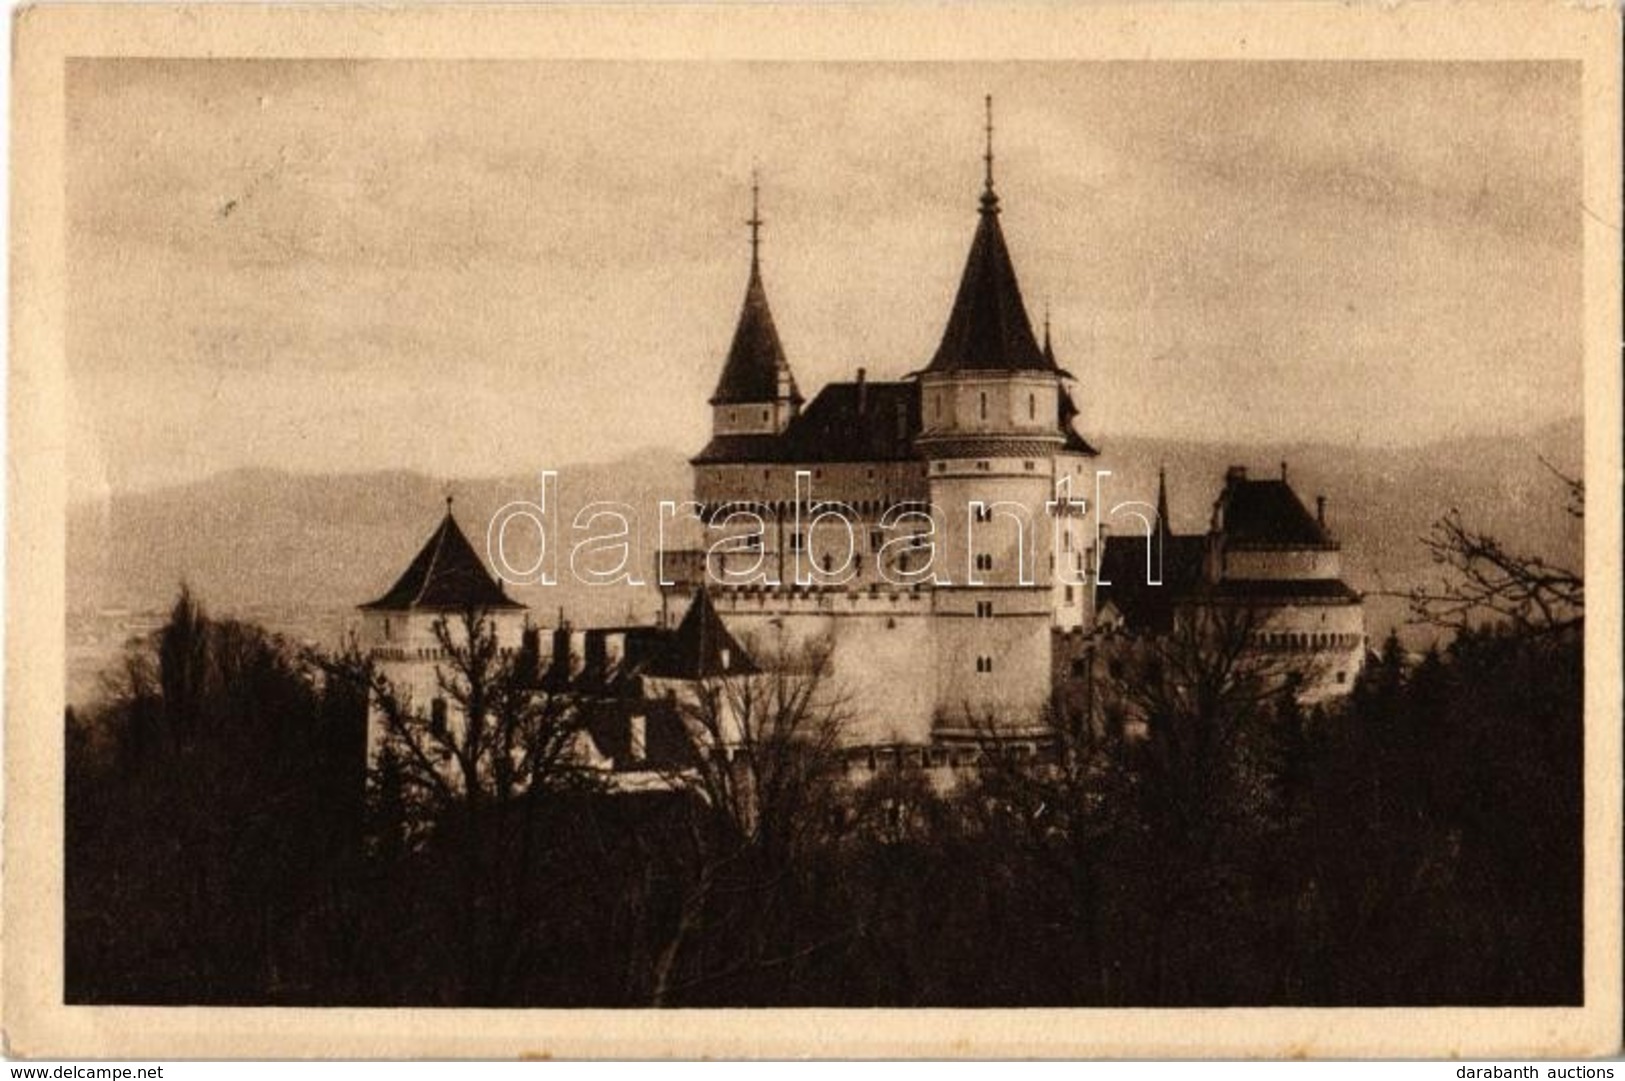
[701,647]
[446,574]
[756,370]
[988,328]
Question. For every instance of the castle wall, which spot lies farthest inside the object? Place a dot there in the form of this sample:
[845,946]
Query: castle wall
[1324,643]
[407,652]
[881,648]
[993,672]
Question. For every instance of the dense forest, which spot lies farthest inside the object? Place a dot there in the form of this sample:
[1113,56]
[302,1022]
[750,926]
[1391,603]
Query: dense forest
[1418,843]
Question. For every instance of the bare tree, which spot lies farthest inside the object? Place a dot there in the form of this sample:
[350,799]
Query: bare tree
[1485,580]
[1199,779]
[760,790]
[501,734]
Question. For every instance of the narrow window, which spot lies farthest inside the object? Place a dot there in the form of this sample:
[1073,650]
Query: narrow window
[1032,407]
[982,404]
[437,717]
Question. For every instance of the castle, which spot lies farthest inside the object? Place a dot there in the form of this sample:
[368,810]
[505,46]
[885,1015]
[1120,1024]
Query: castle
[934,533]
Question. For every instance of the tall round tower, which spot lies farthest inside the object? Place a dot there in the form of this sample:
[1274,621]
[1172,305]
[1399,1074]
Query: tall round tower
[991,402]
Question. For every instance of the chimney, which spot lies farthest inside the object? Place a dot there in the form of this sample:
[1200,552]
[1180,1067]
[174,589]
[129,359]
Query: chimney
[1320,510]
[863,389]
[530,656]
[1235,473]
[1283,470]
[560,670]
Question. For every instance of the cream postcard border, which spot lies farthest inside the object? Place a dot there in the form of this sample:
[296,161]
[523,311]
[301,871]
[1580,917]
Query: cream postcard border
[44,37]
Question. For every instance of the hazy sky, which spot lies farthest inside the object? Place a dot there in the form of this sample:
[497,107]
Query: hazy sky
[476,268]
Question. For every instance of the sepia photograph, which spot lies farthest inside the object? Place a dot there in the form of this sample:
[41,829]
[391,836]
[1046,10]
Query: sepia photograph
[618,532]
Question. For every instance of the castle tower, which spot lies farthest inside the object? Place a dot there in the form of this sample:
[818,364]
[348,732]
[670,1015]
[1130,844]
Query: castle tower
[444,580]
[757,394]
[991,403]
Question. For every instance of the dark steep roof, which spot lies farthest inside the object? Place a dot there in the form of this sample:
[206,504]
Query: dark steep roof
[756,361]
[446,574]
[695,650]
[846,423]
[1149,608]
[988,328]
[1266,513]
[867,422]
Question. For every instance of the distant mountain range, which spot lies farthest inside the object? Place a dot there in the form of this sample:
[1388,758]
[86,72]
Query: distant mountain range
[253,541]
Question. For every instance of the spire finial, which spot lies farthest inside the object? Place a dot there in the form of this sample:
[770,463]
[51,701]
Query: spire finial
[988,156]
[448,502]
[990,199]
[755,221]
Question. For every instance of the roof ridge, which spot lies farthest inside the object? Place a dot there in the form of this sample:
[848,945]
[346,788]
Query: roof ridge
[434,560]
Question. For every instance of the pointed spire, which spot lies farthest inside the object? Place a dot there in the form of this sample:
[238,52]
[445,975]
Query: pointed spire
[755,223]
[756,370]
[701,647]
[1049,350]
[990,198]
[989,329]
[1163,525]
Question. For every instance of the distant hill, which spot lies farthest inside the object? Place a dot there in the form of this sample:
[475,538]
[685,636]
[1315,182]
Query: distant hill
[261,540]
[256,540]
[1381,501]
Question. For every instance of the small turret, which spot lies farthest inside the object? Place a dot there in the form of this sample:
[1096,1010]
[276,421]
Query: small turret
[757,392]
